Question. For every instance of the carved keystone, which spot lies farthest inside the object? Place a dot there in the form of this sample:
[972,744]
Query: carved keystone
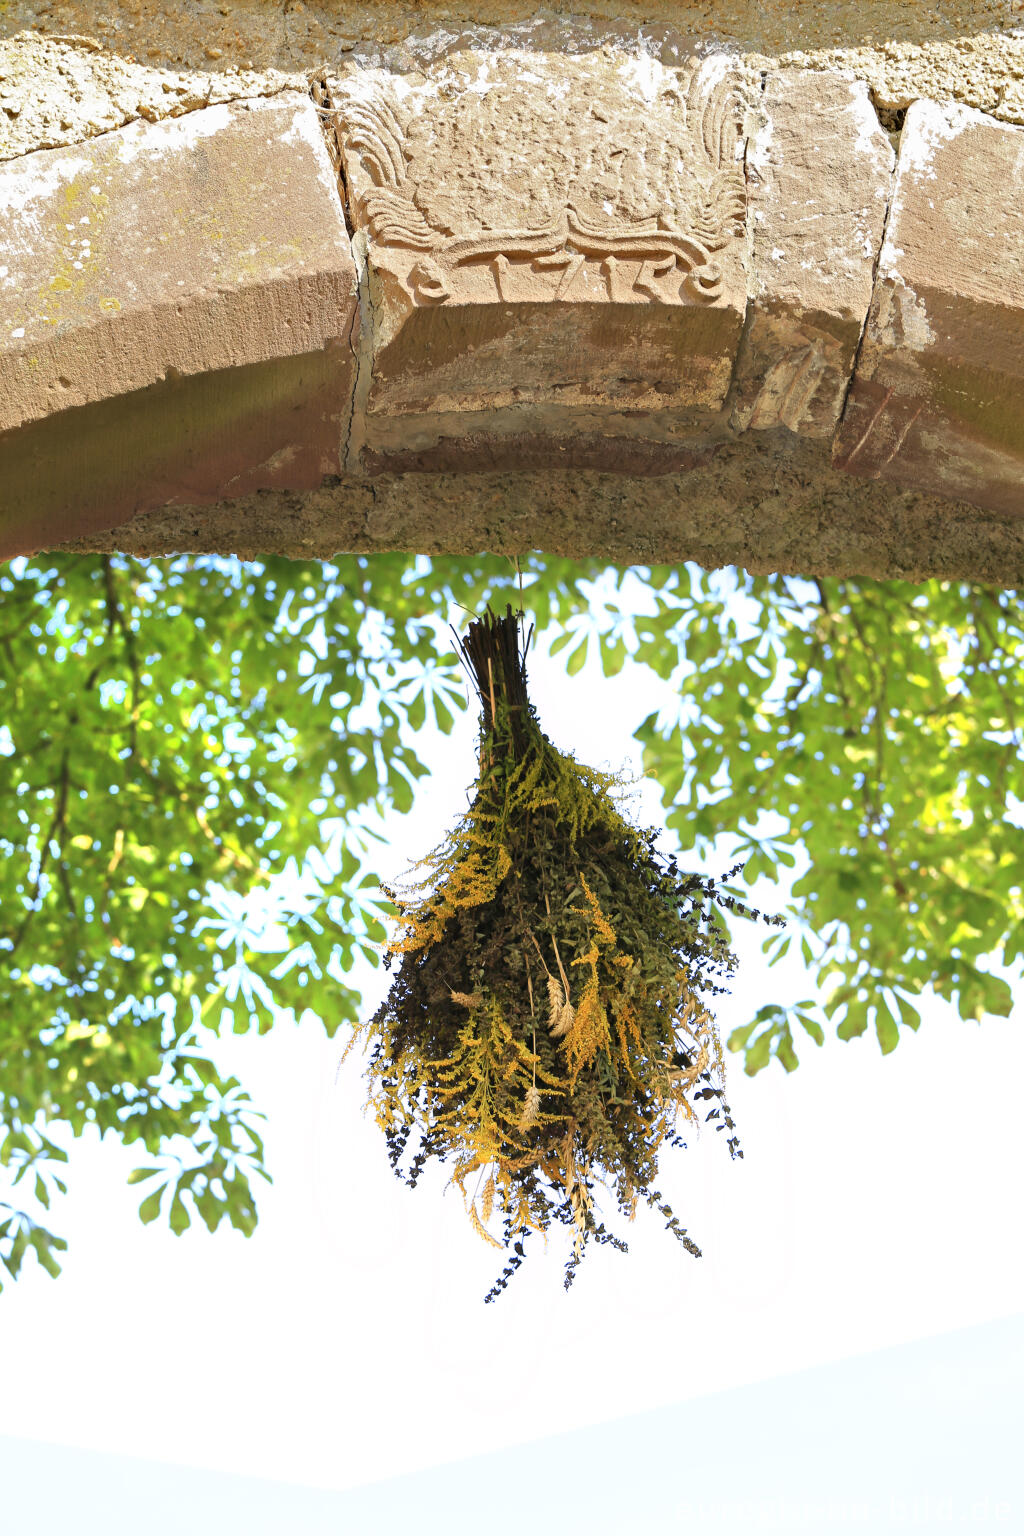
[937,397]
[175,306]
[545,230]
[820,173]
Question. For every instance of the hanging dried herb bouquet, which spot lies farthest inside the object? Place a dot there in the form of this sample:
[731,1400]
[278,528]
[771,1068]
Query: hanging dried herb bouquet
[547,1026]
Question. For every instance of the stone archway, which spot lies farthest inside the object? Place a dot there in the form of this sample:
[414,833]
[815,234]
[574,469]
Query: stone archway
[555,283]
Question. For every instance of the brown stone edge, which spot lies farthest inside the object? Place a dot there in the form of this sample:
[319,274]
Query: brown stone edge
[773,505]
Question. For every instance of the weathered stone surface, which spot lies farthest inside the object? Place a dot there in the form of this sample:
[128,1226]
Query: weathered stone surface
[179,444]
[175,252]
[546,229]
[938,397]
[77,67]
[819,170]
[769,502]
[522,392]
[208,242]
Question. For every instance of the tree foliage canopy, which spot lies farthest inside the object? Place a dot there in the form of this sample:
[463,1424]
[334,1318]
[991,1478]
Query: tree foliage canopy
[177,736]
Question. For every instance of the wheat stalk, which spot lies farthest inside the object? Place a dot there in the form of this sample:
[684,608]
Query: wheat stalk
[531,1109]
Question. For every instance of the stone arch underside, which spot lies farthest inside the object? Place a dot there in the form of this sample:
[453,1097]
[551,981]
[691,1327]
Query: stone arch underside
[559,283]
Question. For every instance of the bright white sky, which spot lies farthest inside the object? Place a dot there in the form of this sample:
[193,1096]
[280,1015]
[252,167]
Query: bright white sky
[878,1203]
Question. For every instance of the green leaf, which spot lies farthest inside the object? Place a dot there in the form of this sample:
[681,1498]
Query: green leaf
[855,1021]
[178,1216]
[886,1027]
[137,1175]
[758,1054]
[149,1210]
[578,658]
[416,713]
[401,790]
[998,999]
[777,947]
[785,1052]
[812,1027]
[613,658]
[15,1255]
[46,1247]
[909,1015]
[739,1037]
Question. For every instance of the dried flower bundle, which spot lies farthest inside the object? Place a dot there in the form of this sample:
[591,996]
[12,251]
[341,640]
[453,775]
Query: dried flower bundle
[547,1024]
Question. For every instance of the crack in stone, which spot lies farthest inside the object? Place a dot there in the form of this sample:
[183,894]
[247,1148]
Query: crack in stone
[352,438]
[363,330]
[730,404]
[874,285]
[320,95]
[250,92]
[890,119]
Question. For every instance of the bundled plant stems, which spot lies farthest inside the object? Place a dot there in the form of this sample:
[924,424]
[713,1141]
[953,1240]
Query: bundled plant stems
[547,1027]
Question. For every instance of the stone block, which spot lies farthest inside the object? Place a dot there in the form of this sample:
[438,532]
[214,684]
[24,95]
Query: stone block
[161,264]
[819,173]
[545,231]
[937,401]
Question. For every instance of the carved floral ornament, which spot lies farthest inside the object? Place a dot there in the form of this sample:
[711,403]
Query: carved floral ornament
[566,179]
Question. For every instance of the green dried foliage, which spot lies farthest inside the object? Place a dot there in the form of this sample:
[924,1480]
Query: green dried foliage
[548,1024]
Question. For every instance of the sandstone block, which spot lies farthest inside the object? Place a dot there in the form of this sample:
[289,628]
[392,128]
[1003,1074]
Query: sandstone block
[140,267]
[819,171]
[545,231]
[937,402]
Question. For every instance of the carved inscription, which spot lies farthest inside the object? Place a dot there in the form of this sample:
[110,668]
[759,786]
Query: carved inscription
[515,177]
